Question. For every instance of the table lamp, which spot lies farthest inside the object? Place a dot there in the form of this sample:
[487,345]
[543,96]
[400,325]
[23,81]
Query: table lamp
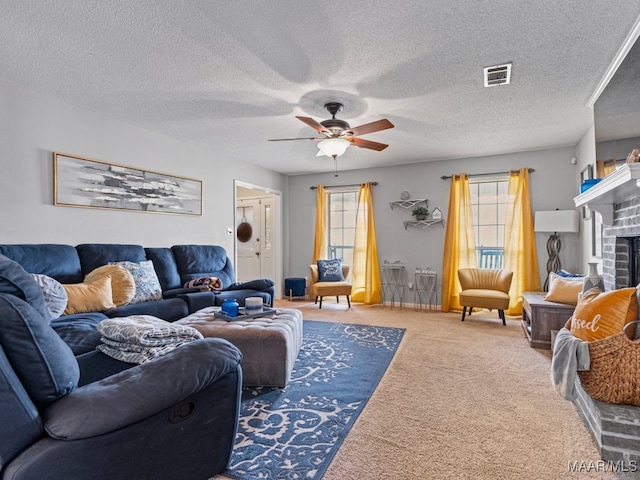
[555,221]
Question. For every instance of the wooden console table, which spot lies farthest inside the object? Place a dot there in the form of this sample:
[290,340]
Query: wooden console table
[539,317]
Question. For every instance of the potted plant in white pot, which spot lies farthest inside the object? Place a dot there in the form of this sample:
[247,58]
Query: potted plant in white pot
[420,213]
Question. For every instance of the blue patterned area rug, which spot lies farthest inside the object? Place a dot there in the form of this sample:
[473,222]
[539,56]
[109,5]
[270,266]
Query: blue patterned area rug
[294,432]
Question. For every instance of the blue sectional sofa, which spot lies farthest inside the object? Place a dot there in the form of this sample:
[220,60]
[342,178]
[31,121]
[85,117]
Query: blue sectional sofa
[174,267]
[94,417]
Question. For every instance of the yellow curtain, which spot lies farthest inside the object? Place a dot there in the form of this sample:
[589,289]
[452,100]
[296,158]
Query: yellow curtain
[519,241]
[320,242]
[459,244]
[365,277]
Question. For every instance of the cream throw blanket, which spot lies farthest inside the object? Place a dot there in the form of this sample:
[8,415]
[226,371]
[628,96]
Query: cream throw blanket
[140,338]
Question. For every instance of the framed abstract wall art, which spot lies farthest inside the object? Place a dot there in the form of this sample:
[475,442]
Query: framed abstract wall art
[83,182]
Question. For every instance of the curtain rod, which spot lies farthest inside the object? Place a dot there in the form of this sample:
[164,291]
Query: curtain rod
[349,185]
[445,177]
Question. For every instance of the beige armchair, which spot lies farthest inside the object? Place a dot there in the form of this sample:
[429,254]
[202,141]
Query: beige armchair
[323,289]
[485,288]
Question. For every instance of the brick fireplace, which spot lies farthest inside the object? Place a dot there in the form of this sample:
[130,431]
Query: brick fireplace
[620,245]
[615,428]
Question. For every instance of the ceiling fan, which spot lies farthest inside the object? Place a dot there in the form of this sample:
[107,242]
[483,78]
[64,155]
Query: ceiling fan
[338,134]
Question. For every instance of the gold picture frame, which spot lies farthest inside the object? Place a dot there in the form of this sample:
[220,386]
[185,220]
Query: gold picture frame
[89,183]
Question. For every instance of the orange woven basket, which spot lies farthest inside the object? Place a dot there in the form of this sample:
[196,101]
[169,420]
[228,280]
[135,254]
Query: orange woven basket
[613,374]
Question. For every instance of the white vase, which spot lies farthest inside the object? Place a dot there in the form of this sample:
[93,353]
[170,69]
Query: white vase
[593,278]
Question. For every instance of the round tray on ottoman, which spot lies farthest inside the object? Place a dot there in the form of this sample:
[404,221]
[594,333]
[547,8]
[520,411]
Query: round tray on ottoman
[269,344]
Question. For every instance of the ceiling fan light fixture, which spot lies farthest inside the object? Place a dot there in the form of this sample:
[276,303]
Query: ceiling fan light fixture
[333,147]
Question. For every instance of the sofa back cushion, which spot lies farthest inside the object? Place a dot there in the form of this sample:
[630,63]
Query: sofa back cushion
[197,261]
[165,265]
[42,361]
[45,365]
[94,255]
[57,261]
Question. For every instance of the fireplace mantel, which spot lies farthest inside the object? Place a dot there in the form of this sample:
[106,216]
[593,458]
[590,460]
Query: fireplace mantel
[620,185]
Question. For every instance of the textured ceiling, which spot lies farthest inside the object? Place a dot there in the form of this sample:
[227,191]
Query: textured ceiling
[229,75]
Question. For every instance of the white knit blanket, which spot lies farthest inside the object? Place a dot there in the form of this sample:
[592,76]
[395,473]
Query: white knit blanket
[140,338]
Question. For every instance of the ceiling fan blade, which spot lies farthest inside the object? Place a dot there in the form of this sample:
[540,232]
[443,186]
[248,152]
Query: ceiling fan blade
[315,125]
[299,138]
[362,143]
[371,127]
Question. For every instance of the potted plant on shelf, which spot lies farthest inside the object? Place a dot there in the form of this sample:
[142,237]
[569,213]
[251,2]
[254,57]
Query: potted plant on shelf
[420,213]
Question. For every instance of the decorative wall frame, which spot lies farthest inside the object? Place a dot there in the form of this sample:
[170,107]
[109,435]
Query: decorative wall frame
[83,182]
[596,235]
[586,174]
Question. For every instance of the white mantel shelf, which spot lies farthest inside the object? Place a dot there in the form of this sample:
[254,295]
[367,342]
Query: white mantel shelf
[616,187]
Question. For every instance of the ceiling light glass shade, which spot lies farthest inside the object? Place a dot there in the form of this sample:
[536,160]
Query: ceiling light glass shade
[333,147]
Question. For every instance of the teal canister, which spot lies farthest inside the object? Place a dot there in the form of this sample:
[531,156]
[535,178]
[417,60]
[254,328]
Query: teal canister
[230,307]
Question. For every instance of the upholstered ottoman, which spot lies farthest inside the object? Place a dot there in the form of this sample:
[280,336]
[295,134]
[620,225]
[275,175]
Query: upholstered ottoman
[269,344]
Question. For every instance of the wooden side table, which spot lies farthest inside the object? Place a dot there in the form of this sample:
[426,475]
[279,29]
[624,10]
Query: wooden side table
[539,317]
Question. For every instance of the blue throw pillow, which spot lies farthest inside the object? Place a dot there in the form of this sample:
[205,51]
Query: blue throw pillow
[330,270]
[564,273]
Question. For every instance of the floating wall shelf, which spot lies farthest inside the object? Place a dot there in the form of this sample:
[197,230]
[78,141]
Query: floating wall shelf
[423,224]
[408,204]
[619,185]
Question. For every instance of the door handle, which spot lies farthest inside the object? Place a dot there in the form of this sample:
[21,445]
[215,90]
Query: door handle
[257,254]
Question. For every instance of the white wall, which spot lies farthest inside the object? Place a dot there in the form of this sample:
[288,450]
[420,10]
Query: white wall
[553,185]
[586,154]
[33,126]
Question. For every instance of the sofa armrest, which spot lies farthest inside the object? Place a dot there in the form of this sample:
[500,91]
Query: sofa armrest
[198,300]
[259,284]
[141,391]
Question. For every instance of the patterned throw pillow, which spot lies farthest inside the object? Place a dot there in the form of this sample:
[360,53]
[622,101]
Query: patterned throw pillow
[55,296]
[146,280]
[205,284]
[602,314]
[330,270]
[123,287]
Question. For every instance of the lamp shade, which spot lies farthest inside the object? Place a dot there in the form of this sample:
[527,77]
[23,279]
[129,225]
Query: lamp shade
[566,221]
[333,147]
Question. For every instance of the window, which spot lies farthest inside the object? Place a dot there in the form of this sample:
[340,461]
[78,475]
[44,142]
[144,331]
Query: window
[489,204]
[342,224]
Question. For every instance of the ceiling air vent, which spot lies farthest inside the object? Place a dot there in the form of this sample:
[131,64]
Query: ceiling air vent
[498,75]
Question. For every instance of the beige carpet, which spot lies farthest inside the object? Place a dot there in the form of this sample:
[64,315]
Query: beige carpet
[460,400]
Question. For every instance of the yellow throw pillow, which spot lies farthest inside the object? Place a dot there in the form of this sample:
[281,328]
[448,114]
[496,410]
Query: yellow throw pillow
[123,288]
[602,314]
[563,290]
[89,297]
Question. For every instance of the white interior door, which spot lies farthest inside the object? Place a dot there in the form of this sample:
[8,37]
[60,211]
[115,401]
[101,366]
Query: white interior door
[259,256]
[249,265]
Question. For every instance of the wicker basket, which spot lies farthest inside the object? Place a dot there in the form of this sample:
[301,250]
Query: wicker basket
[613,374]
